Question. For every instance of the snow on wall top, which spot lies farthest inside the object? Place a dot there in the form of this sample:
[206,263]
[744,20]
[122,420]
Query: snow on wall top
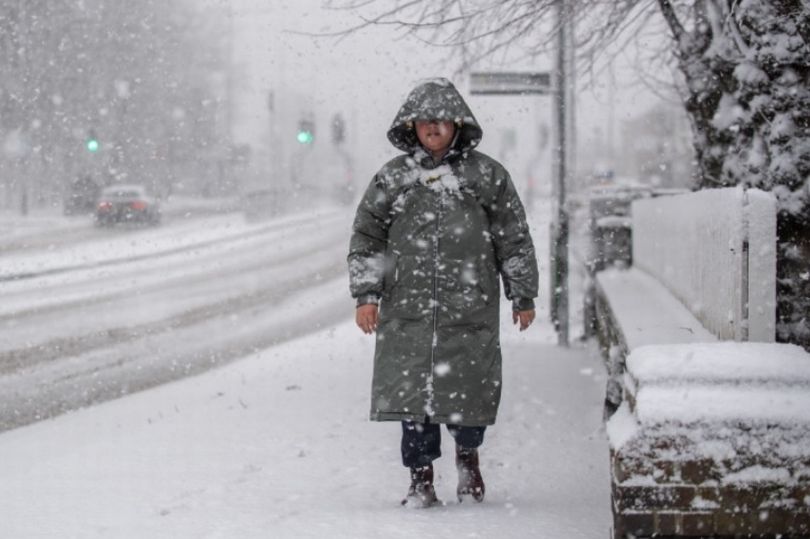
[723,405]
[647,312]
[723,382]
[695,245]
[721,362]
[745,406]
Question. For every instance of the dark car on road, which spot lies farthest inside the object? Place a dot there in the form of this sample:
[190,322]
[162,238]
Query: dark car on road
[127,204]
[82,196]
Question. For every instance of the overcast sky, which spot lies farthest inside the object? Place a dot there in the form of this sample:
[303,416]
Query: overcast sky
[367,75]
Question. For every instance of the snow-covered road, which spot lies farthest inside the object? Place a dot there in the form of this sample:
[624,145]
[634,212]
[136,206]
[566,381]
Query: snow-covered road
[274,445]
[44,228]
[93,320]
[278,445]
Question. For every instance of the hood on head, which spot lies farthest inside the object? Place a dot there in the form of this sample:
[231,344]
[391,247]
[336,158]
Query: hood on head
[434,99]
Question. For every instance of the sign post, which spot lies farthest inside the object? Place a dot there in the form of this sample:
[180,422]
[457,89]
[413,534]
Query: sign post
[518,84]
[559,225]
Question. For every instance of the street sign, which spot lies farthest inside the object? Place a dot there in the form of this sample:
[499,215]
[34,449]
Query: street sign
[510,83]
[521,84]
[338,129]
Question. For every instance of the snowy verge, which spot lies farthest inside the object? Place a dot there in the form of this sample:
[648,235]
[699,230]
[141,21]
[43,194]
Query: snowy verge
[144,243]
[622,426]
[46,220]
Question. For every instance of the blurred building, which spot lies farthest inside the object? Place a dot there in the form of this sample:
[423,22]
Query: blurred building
[653,148]
[657,147]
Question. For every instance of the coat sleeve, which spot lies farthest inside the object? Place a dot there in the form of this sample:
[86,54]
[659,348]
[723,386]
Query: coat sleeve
[514,250]
[368,243]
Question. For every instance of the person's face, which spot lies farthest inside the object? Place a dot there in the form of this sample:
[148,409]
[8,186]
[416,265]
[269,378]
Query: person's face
[435,135]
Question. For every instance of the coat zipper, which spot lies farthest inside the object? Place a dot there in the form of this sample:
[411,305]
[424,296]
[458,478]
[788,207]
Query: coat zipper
[434,340]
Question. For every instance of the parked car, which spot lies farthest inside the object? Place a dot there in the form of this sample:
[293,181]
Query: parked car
[82,196]
[127,204]
[611,234]
[610,224]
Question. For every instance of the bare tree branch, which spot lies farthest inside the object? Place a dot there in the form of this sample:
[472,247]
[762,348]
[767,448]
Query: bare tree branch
[671,17]
[479,30]
[365,24]
[346,5]
[731,23]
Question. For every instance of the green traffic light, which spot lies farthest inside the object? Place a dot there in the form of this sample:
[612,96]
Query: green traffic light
[305,137]
[92,145]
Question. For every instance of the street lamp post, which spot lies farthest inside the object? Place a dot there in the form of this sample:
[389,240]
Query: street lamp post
[559,226]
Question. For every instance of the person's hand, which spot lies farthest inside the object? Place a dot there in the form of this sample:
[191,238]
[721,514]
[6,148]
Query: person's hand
[366,317]
[525,317]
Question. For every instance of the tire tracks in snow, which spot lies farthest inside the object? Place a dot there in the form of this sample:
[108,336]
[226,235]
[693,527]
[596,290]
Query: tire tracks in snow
[197,274]
[108,374]
[81,227]
[248,303]
[62,347]
[22,275]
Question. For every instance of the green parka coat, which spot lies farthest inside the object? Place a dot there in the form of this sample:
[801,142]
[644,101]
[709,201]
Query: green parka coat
[429,243]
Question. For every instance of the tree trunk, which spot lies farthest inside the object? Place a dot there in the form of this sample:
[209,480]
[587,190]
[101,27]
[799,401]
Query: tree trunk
[748,100]
[793,278]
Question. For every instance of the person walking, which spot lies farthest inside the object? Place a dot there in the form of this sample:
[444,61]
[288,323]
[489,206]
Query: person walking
[433,232]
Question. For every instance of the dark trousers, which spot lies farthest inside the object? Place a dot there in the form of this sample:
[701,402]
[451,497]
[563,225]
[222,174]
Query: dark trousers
[421,442]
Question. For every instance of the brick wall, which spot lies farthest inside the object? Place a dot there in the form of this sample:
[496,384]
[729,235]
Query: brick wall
[692,498]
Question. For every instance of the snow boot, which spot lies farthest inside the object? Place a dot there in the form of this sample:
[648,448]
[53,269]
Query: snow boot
[421,493]
[470,482]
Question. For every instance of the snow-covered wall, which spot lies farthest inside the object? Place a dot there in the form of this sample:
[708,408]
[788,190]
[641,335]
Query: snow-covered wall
[760,215]
[715,251]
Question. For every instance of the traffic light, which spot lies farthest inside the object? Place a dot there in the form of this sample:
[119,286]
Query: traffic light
[338,129]
[91,143]
[306,131]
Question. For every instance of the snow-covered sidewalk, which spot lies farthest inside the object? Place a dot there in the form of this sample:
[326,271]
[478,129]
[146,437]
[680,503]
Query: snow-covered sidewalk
[278,445]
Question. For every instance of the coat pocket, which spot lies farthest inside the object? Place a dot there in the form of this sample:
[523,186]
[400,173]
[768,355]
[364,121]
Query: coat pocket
[463,289]
[390,272]
[488,281]
[408,288]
